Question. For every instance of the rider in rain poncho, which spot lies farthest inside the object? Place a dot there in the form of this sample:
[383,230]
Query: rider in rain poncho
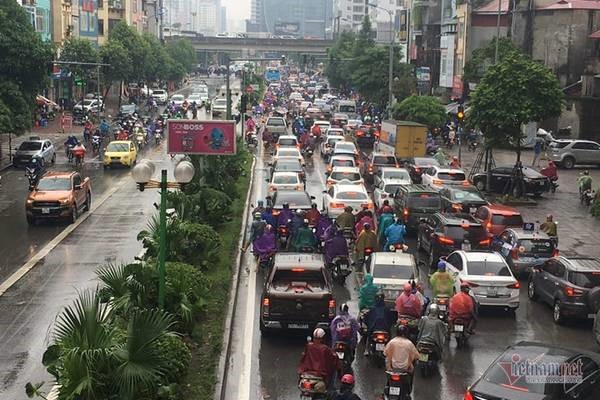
[367,293]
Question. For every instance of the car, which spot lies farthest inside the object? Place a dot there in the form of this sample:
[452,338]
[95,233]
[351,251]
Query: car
[414,202]
[327,145]
[596,327]
[570,285]
[44,149]
[219,107]
[538,371]
[287,141]
[353,124]
[345,194]
[340,119]
[197,98]
[386,189]
[350,174]
[295,96]
[88,106]
[177,99]
[335,132]
[288,152]
[524,249]
[344,148]
[441,234]
[297,200]
[489,277]
[340,161]
[462,199]
[568,153]
[297,295]
[284,180]
[127,110]
[146,91]
[440,177]
[304,105]
[535,183]
[366,135]
[323,125]
[497,217]
[375,161]
[161,96]
[417,165]
[387,173]
[276,125]
[59,195]
[120,152]
[390,271]
[288,164]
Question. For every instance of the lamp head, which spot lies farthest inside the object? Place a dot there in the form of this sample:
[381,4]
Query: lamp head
[184,172]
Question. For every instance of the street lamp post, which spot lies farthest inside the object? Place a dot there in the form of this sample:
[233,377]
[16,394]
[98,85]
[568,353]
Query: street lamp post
[391,63]
[142,174]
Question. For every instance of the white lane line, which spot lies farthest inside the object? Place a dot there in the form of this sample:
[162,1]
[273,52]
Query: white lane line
[32,262]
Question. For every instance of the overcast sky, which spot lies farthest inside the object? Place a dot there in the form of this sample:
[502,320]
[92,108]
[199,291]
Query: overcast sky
[237,9]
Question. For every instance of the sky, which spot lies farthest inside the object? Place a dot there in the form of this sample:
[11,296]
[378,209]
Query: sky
[237,9]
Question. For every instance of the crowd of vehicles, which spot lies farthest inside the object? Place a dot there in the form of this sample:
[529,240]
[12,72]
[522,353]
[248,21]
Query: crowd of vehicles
[486,249]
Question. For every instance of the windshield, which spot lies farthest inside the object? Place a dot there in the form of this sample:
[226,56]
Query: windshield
[220,102]
[351,176]
[472,233]
[558,145]
[391,271]
[344,146]
[177,97]
[29,146]
[426,162]
[347,109]
[117,147]
[399,174]
[351,196]
[285,279]
[287,142]
[507,220]
[488,268]
[464,196]
[537,246]
[384,160]
[585,279]
[87,102]
[128,107]
[293,197]
[285,179]
[332,142]
[424,200]
[451,176]
[288,166]
[342,163]
[391,189]
[49,184]
[275,122]
[161,92]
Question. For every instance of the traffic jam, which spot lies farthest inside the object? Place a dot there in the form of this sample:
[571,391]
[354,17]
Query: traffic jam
[375,254]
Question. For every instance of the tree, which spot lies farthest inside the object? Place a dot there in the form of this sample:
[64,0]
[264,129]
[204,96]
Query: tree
[483,57]
[339,68]
[120,65]
[182,52]
[404,86]
[158,60]
[80,50]
[364,38]
[24,67]
[137,48]
[426,110]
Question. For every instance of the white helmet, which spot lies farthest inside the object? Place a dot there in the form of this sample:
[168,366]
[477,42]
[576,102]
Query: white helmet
[318,333]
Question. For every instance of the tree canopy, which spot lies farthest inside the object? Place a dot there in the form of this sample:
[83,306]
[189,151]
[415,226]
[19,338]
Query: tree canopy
[80,50]
[513,92]
[426,110]
[24,68]
[483,57]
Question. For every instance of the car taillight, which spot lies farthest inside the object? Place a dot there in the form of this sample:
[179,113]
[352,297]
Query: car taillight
[417,170]
[488,226]
[471,284]
[331,309]
[337,205]
[265,306]
[572,292]
[468,396]
[485,242]
[371,168]
[555,253]
[445,240]
[405,212]
[437,182]
[395,377]
[368,251]
[515,285]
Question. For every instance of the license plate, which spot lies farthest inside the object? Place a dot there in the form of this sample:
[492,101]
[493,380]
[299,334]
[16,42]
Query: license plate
[466,246]
[472,210]
[492,292]
[303,397]
[379,346]
[45,210]
[394,391]
[298,326]
[442,307]
[459,328]
[424,357]
[340,354]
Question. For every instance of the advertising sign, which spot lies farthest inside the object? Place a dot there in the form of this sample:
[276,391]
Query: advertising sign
[200,137]
[401,25]
[88,20]
[286,28]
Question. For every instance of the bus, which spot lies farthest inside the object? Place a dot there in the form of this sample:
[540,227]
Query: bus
[272,74]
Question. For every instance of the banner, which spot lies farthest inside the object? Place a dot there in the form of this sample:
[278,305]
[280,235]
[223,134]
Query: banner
[200,137]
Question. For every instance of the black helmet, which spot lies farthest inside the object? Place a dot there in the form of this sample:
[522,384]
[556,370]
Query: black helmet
[379,297]
[286,206]
[402,330]
[313,205]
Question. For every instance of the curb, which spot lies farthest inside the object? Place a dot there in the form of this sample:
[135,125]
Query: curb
[224,359]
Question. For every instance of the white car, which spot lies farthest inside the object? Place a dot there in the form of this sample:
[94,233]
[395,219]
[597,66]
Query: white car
[353,124]
[386,189]
[88,105]
[305,105]
[438,177]
[390,271]
[178,99]
[291,152]
[396,173]
[219,107]
[324,125]
[340,161]
[287,141]
[328,143]
[489,276]
[338,174]
[284,180]
[345,149]
[195,97]
[335,132]
[345,194]
[295,96]
[161,96]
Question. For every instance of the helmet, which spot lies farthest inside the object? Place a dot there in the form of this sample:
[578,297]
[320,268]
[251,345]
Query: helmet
[257,215]
[464,286]
[367,225]
[379,297]
[313,205]
[441,265]
[586,172]
[348,209]
[269,227]
[347,379]
[318,333]
[387,209]
[407,287]
[434,310]
[298,212]
[454,157]
[386,202]
[402,330]
[365,206]
[344,307]
[549,217]
[305,221]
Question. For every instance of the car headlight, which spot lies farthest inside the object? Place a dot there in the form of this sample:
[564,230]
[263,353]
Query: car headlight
[30,201]
[65,201]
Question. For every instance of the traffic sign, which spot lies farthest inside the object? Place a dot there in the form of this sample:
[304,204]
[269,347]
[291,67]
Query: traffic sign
[249,89]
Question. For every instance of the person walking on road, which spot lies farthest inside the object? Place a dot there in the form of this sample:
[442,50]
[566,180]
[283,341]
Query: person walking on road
[537,150]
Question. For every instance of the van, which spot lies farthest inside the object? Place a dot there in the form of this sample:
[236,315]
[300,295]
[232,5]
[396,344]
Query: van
[345,106]
[415,202]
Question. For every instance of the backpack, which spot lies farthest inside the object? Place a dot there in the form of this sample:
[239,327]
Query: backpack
[343,329]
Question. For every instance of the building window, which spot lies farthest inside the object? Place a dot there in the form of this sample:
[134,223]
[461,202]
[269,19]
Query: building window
[357,17]
[100,3]
[100,27]
[357,9]
[40,20]
[135,6]
[111,23]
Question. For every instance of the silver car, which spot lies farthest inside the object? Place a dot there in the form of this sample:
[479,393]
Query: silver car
[568,153]
[32,148]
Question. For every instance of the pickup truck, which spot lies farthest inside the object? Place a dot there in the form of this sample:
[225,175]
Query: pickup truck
[59,195]
[298,294]
[277,126]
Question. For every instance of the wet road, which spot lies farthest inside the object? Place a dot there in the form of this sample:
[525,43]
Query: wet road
[265,368]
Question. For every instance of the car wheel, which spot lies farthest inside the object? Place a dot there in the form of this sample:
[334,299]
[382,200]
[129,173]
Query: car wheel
[88,202]
[557,314]
[74,214]
[480,185]
[53,158]
[516,191]
[531,292]
[568,162]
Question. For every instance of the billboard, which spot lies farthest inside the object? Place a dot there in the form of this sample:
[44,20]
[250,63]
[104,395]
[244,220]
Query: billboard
[200,137]
[286,28]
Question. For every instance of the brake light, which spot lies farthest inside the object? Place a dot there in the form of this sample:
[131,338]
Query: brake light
[437,182]
[442,301]
[466,183]
[514,253]
[468,396]
[283,229]
[337,205]
[330,181]
[331,309]
[488,226]
[297,269]
[276,213]
[265,307]
[417,170]
[371,168]
[515,285]
[306,384]
[380,337]
[360,133]
[367,205]
[403,322]
[456,207]
[471,284]
[485,242]
[395,377]
[445,240]
[572,292]
[405,212]
[555,253]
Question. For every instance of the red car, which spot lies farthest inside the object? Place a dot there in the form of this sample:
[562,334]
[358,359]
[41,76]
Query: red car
[497,217]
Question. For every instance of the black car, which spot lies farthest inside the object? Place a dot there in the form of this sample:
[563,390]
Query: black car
[463,199]
[365,136]
[524,250]
[414,202]
[525,371]
[417,165]
[441,234]
[570,285]
[535,183]
[296,199]
[288,165]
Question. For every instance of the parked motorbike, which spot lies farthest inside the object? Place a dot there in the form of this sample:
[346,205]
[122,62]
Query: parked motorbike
[429,357]
[397,385]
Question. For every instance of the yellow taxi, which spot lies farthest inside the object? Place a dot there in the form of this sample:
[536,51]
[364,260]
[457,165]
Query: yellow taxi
[120,152]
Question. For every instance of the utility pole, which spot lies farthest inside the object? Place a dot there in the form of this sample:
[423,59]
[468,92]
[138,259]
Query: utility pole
[497,31]
[391,61]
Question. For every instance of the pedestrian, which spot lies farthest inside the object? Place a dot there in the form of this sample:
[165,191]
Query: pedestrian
[537,150]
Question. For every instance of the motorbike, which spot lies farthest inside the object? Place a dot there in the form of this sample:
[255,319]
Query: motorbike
[312,387]
[96,142]
[377,343]
[429,357]
[348,234]
[397,386]
[473,144]
[442,302]
[368,252]
[158,136]
[265,263]
[343,352]
[251,139]
[33,177]
[340,269]
[412,326]
[283,233]
[586,197]
[459,330]
[140,140]
[69,152]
